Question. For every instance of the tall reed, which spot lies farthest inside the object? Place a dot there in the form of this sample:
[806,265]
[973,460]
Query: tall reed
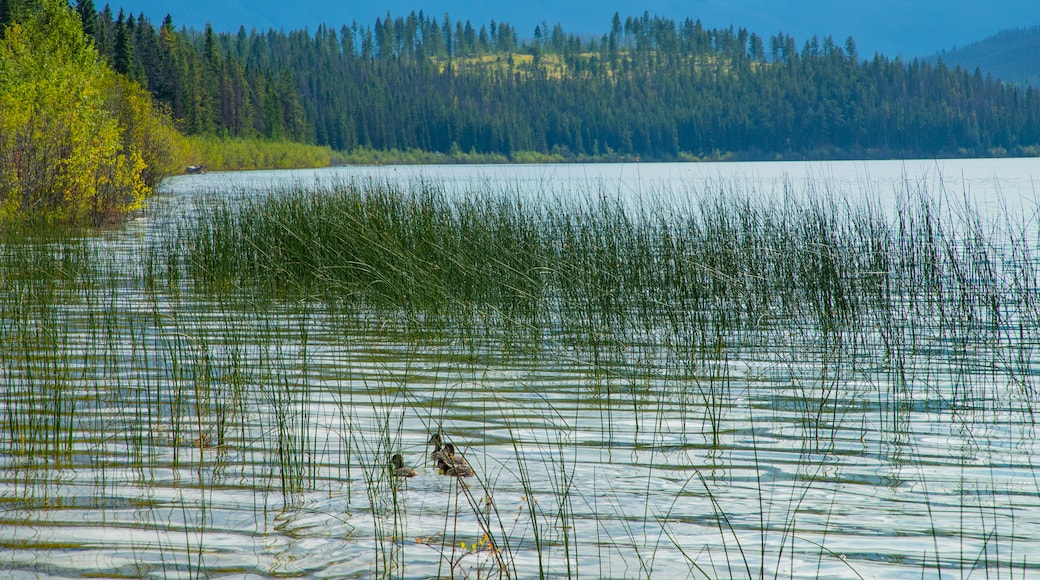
[227,349]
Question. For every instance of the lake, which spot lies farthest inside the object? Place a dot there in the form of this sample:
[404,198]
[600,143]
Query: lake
[150,427]
[987,182]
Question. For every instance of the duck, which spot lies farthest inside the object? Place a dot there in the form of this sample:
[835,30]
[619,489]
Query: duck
[397,465]
[438,452]
[451,458]
[455,470]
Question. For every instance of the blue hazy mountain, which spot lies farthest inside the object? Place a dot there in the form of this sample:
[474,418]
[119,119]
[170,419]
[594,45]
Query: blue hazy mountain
[1011,55]
[892,27]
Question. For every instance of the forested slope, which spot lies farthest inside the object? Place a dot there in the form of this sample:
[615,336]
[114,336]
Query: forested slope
[649,87]
[1011,55]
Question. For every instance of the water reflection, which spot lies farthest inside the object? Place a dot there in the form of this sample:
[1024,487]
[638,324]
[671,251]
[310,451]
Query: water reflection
[156,432]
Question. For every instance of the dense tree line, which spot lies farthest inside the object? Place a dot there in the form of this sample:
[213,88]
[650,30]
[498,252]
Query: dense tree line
[649,87]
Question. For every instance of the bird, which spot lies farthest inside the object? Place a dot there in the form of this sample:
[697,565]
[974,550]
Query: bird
[438,452]
[397,464]
[451,458]
[456,470]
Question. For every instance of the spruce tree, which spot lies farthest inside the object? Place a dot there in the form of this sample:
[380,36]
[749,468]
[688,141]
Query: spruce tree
[88,15]
[123,57]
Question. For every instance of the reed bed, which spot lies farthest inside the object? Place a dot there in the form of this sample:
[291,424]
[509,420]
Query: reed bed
[282,344]
[691,277]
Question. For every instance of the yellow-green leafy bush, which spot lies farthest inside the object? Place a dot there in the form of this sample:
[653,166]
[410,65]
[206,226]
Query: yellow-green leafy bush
[78,142]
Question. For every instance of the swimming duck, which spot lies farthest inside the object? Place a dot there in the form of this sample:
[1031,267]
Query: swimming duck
[452,458]
[438,452]
[456,470]
[397,464]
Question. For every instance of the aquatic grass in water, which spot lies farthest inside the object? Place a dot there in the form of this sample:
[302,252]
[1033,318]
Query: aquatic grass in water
[708,387]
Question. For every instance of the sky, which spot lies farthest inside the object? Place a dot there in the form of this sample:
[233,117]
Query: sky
[891,27]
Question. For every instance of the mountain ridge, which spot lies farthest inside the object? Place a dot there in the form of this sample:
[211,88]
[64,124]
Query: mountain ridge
[1011,55]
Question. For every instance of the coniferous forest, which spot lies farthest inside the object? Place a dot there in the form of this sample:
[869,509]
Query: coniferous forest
[648,87]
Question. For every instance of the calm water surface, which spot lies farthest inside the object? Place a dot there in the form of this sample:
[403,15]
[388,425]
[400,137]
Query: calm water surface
[224,438]
[989,183]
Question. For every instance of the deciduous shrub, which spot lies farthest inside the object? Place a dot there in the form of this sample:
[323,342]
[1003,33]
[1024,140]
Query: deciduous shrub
[78,143]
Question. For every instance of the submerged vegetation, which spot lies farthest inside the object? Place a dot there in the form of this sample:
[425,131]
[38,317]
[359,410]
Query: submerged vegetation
[693,386]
